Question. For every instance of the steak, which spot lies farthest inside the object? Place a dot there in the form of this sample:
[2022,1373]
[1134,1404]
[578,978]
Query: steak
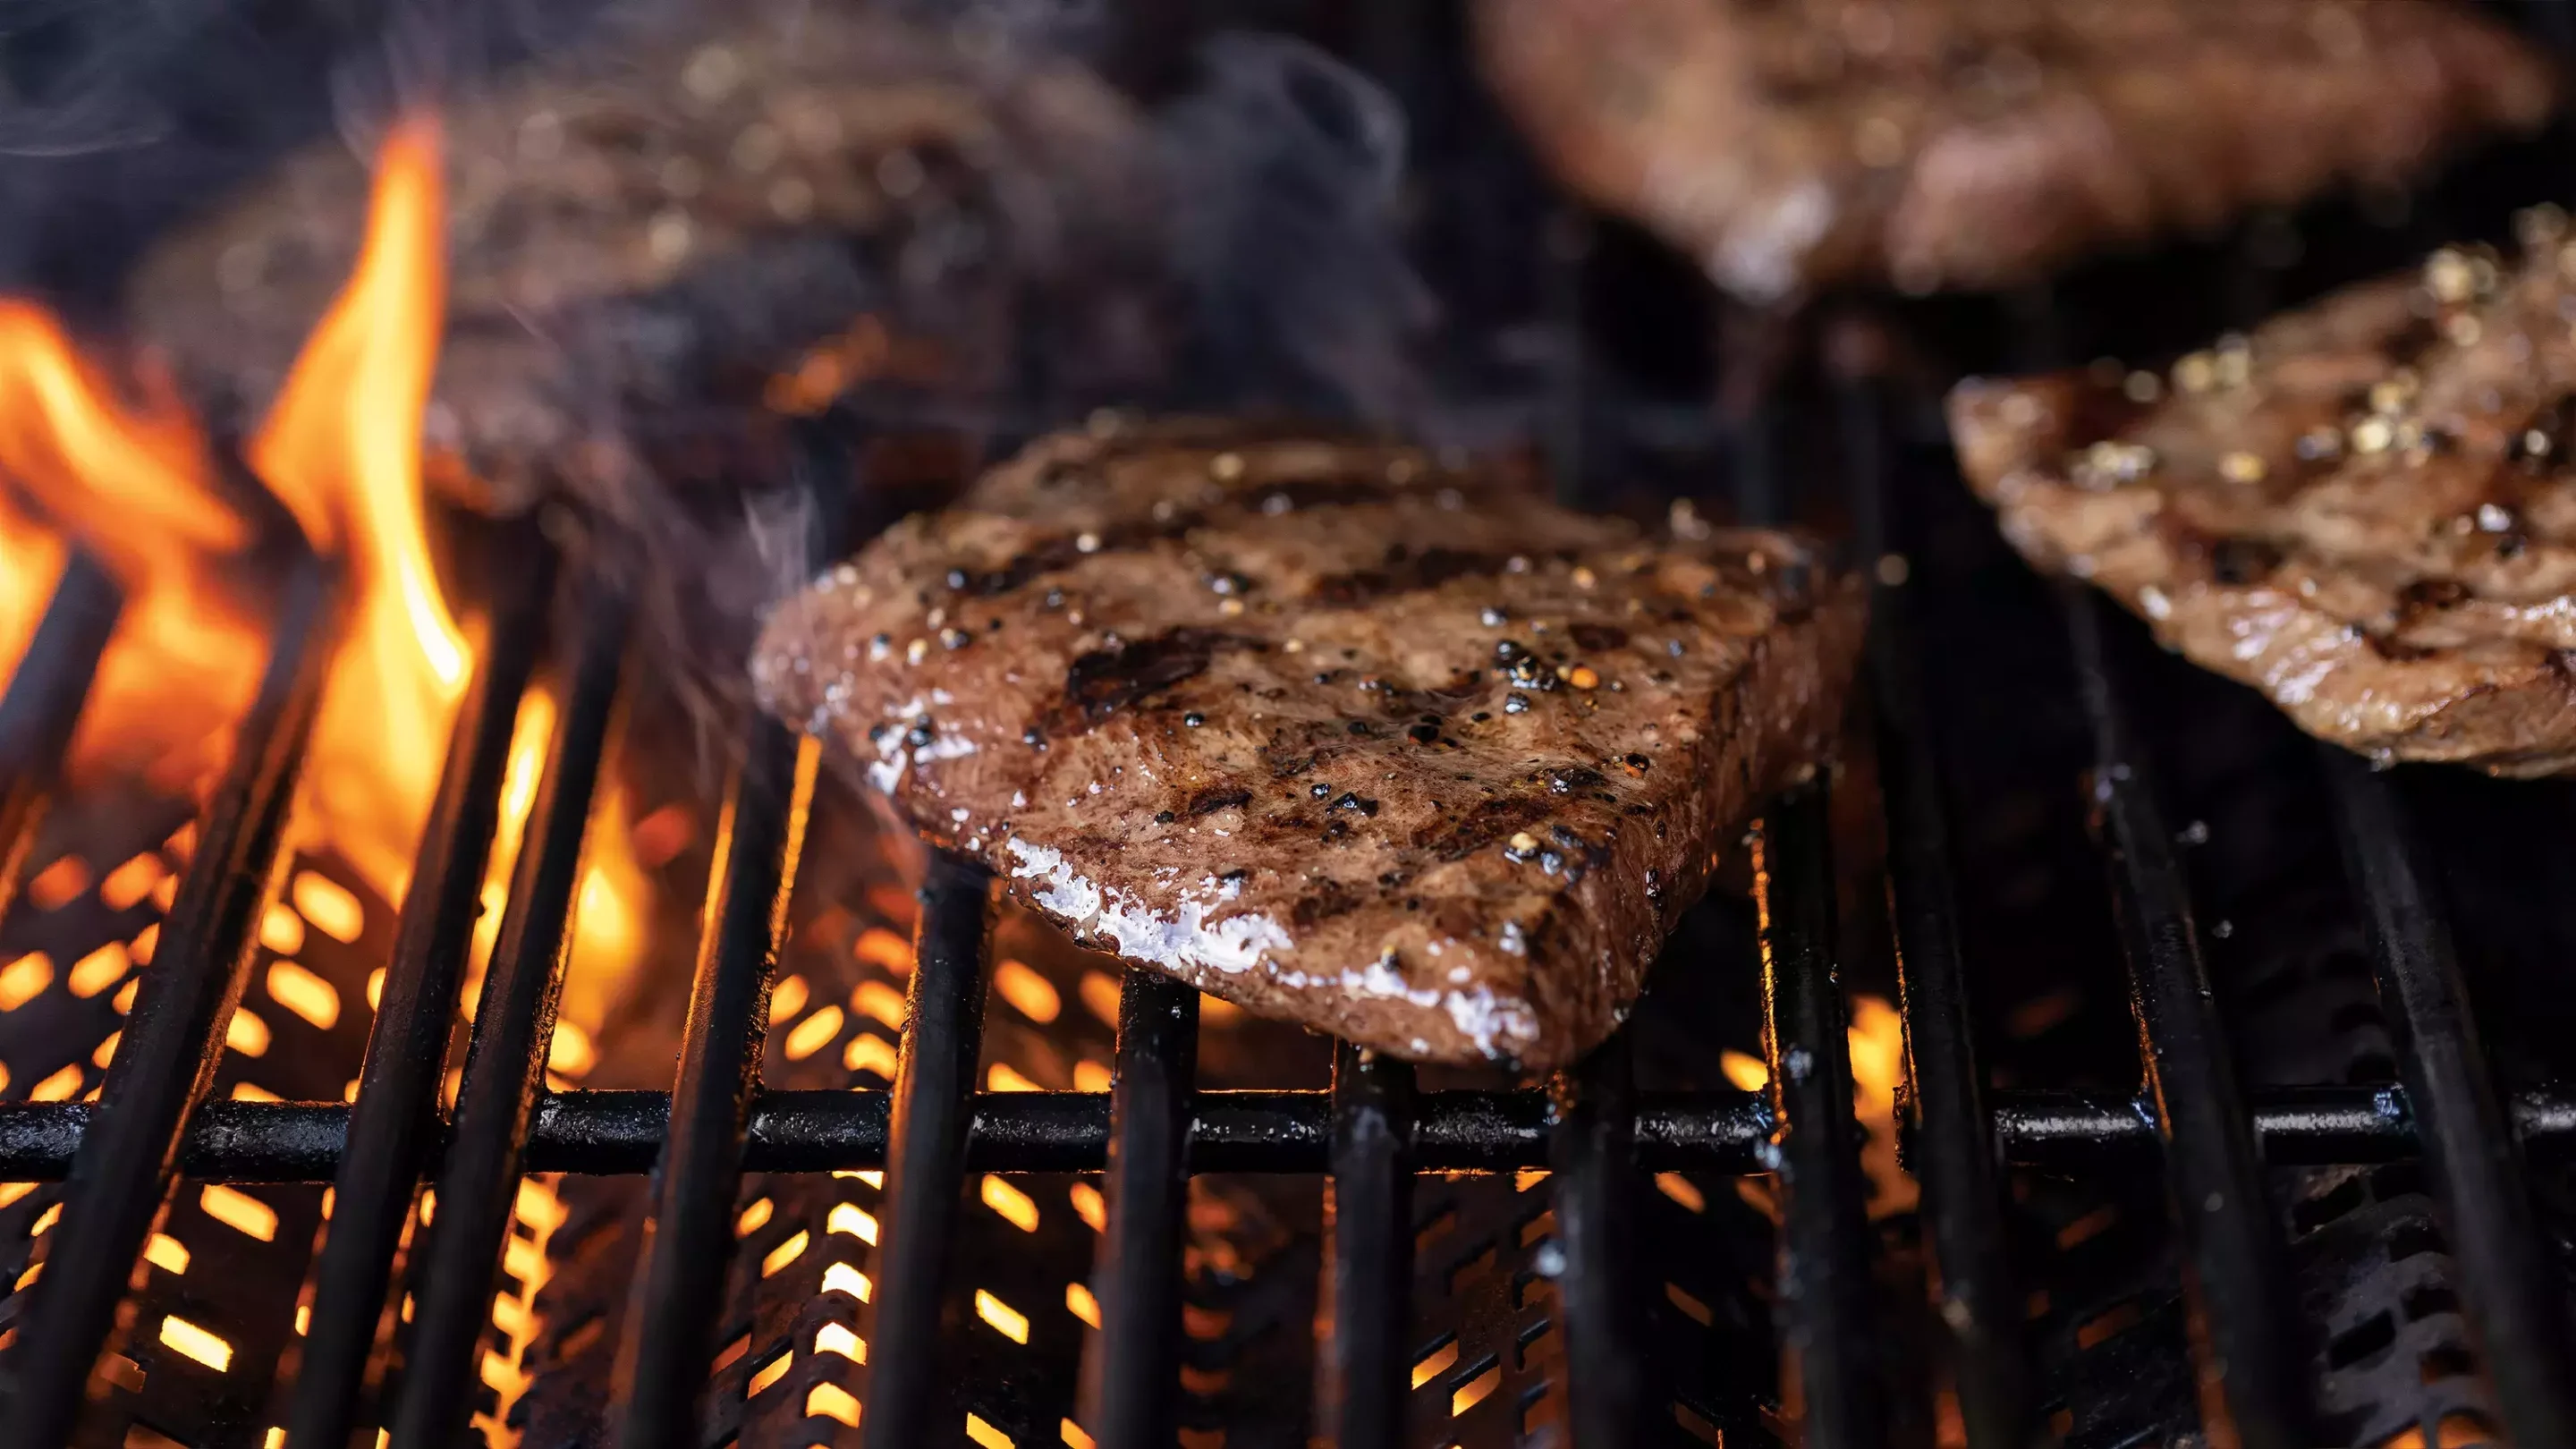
[2365,509]
[1327,728]
[1937,144]
[654,232]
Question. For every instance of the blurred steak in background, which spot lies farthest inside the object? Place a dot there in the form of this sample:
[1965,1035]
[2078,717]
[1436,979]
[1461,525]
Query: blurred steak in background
[1977,143]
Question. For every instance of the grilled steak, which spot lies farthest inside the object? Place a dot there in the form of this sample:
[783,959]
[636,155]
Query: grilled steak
[648,229]
[1971,143]
[1326,728]
[2366,509]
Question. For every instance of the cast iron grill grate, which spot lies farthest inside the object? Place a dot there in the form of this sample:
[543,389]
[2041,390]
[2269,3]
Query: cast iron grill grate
[2343,1262]
[1535,1283]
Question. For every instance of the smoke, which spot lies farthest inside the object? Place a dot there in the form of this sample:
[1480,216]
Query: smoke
[1284,168]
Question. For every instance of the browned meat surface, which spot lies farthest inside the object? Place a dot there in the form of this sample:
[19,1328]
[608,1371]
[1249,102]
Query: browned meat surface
[1971,143]
[647,228]
[1326,728]
[2366,509]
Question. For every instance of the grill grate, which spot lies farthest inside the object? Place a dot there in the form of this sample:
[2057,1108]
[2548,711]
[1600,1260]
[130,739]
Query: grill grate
[2214,1246]
[1567,1310]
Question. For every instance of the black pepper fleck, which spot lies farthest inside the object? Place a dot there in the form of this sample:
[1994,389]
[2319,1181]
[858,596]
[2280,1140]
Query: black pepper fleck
[1516,703]
[1319,789]
[1164,817]
[1194,719]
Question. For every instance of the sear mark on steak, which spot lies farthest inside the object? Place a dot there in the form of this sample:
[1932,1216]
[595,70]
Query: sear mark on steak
[1790,144]
[1318,801]
[2386,548]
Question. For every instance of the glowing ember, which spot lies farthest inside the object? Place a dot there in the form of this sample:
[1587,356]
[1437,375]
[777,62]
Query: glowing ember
[341,448]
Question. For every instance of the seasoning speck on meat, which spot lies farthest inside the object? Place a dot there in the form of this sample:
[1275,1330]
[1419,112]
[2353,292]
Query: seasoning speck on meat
[1384,796]
[2366,509]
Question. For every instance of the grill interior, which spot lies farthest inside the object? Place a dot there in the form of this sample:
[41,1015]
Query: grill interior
[2233,1093]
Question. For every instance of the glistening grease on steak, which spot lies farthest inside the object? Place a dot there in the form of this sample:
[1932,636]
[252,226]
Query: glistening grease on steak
[2366,509]
[1971,143]
[1324,727]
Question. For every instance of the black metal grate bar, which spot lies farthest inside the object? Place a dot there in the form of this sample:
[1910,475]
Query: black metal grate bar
[614,1132]
[2514,1298]
[1131,1368]
[43,703]
[505,1060]
[1828,1335]
[395,1123]
[1953,1146]
[174,1037]
[679,1291]
[1368,1204]
[1592,1153]
[930,1118]
[2246,1331]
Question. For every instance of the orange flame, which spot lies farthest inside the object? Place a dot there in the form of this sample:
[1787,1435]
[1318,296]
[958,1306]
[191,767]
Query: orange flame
[341,448]
[1877,1038]
[130,479]
[31,558]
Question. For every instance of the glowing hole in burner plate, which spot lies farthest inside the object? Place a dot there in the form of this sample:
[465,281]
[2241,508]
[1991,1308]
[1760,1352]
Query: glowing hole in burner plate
[281,930]
[131,881]
[769,1373]
[305,994]
[831,1401]
[869,1053]
[1030,994]
[753,1219]
[331,907]
[884,950]
[196,1343]
[1435,1363]
[59,884]
[986,1435]
[813,1033]
[1074,1438]
[837,1338]
[1078,1299]
[105,967]
[1006,1078]
[239,1211]
[1745,1071]
[849,1217]
[570,1052]
[246,1033]
[254,1092]
[785,1253]
[23,978]
[787,998]
[1015,1207]
[1681,1190]
[842,1278]
[165,1254]
[1006,1320]
[1088,1206]
[106,1050]
[1091,1076]
[1100,995]
[60,1087]
[1476,1391]
[880,1001]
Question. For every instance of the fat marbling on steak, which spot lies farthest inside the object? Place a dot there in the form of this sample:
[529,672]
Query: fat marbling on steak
[1324,727]
[2365,509]
[1972,143]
